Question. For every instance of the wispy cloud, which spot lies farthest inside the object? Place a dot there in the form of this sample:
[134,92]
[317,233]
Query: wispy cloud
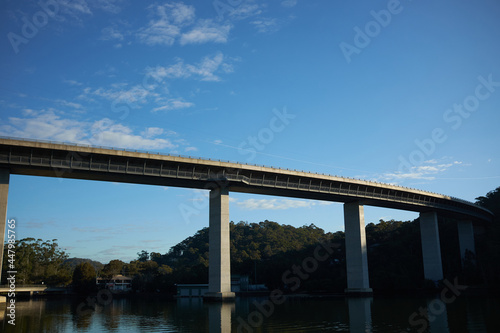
[50,125]
[111,33]
[156,93]
[173,22]
[117,250]
[289,3]
[206,31]
[173,104]
[38,224]
[75,6]
[72,82]
[69,104]
[74,11]
[269,24]
[277,204]
[429,170]
[110,6]
[206,70]
[246,10]
[135,95]
[266,25]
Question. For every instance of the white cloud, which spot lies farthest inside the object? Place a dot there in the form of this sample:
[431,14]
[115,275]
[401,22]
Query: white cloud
[289,3]
[107,5]
[173,104]
[45,125]
[49,125]
[179,12]
[116,135]
[166,27]
[177,22]
[424,172]
[73,82]
[69,104]
[111,33]
[152,131]
[109,71]
[245,11]
[132,96]
[158,33]
[204,70]
[75,6]
[266,25]
[206,31]
[271,25]
[277,204]
[208,67]
[154,88]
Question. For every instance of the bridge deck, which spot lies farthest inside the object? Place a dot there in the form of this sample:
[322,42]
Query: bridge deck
[107,164]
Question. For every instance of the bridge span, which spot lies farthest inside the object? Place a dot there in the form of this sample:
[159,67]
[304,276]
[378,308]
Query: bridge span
[37,158]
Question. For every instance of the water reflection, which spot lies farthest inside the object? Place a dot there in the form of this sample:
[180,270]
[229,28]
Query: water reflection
[437,316]
[297,314]
[220,317]
[360,314]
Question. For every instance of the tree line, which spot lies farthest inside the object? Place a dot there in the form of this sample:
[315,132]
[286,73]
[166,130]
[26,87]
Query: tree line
[264,251]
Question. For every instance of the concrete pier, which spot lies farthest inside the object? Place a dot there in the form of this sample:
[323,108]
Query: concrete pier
[4,193]
[466,237]
[355,244]
[431,249]
[219,263]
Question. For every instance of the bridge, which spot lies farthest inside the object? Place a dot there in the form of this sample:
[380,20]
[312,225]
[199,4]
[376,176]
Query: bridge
[30,288]
[51,159]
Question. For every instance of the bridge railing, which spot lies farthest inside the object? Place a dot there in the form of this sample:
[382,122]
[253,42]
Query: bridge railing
[18,286]
[197,158]
[148,170]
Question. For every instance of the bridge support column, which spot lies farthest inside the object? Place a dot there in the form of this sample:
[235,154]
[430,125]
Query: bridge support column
[4,192]
[466,238]
[431,250]
[219,265]
[355,245]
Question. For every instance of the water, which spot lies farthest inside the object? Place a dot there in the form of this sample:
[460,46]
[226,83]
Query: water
[335,314]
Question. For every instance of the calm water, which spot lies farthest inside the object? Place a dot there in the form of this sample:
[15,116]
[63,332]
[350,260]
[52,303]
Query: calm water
[463,314]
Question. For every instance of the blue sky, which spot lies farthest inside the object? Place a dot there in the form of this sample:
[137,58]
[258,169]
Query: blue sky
[404,92]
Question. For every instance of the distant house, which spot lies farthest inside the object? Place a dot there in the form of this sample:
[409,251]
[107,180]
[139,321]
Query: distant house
[117,284]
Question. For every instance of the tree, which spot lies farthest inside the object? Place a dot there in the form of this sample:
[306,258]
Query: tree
[84,279]
[40,261]
[143,255]
[488,243]
[114,267]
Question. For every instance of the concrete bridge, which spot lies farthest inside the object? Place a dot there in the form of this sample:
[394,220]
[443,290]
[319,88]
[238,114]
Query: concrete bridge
[36,158]
[26,288]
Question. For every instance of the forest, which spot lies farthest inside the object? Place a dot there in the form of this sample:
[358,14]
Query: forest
[265,251]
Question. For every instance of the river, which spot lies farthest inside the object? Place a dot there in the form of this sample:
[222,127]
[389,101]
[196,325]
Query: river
[441,313]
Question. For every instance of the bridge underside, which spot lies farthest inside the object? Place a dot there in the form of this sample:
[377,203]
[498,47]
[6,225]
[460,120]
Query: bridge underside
[221,178]
[238,186]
